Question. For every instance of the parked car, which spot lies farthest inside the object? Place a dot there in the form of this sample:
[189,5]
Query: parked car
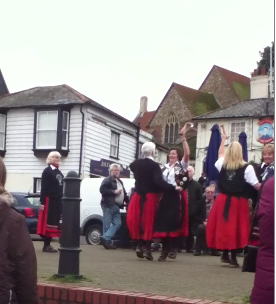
[91,215]
[28,205]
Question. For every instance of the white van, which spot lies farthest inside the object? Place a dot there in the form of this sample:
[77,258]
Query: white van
[91,215]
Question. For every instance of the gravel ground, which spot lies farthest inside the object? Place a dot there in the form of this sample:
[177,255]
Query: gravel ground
[201,277]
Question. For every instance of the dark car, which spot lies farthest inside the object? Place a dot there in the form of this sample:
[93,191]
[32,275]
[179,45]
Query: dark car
[28,205]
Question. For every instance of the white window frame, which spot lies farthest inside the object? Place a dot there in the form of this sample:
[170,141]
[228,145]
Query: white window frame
[50,128]
[3,133]
[65,130]
[38,185]
[114,143]
[234,136]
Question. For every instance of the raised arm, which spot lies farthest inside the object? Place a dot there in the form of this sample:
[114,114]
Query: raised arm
[221,148]
[186,148]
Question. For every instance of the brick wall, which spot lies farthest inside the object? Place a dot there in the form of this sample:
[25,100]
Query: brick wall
[218,86]
[69,294]
[171,104]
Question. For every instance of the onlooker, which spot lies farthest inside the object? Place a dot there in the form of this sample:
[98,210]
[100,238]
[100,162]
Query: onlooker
[268,159]
[195,207]
[202,180]
[200,230]
[50,202]
[263,290]
[18,267]
[113,198]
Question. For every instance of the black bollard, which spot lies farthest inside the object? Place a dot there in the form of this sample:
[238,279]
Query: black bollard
[69,262]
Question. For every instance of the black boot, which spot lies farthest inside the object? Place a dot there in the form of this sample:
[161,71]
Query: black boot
[163,256]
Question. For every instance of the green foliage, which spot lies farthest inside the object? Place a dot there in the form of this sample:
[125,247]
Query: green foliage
[265,59]
[246,299]
[68,279]
[204,103]
[242,90]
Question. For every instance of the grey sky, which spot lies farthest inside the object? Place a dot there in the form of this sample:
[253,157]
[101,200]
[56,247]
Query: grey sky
[117,51]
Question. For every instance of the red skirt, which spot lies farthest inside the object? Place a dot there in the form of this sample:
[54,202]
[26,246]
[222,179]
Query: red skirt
[231,234]
[141,215]
[43,228]
[173,219]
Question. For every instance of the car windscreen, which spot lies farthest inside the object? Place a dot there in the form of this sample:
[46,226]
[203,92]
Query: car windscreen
[35,201]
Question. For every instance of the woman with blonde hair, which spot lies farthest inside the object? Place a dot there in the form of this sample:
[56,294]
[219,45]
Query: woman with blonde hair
[18,267]
[229,220]
[50,202]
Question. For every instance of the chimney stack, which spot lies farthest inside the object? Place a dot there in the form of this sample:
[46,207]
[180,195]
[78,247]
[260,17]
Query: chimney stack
[259,85]
[143,105]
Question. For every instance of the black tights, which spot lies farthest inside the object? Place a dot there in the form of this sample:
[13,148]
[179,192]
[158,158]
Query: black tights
[147,244]
[169,244]
[47,240]
[233,254]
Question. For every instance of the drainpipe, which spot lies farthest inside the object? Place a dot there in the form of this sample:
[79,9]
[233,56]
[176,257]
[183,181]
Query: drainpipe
[137,141]
[82,135]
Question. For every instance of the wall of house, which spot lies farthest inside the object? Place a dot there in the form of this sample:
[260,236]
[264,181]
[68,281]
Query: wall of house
[259,87]
[97,139]
[22,165]
[204,134]
[171,104]
[218,86]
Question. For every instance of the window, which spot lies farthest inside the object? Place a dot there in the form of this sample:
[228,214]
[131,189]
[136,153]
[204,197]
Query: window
[37,185]
[140,154]
[171,129]
[46,134]
[2,131]
[51,131]
[114,145]
[65,130]
[236,129]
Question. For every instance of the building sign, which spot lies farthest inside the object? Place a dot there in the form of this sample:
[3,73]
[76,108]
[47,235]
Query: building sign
[265,131]
[101,167]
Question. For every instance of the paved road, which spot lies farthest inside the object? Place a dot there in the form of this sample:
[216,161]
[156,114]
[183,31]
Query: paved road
[187,276]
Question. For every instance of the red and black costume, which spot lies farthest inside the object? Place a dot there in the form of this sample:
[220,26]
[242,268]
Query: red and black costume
[50,196]
[142,208]
[229,220]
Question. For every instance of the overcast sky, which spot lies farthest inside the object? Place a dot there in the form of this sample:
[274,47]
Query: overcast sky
[117,51]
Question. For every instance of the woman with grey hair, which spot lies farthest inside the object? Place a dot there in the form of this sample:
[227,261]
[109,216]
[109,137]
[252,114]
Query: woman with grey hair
[149,184]
[50,202]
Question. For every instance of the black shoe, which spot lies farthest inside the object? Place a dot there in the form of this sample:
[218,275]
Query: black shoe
[225,259]
[49,249]
[189,251]
[147,254]
[234,264]
[112,246]
[215,252]
[107,244]
[139,252]
[163,256]
[197,253]
[172,254]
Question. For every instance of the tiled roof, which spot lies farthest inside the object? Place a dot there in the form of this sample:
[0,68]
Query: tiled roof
[198,102]
[144,120]
[51,96]
[247,108]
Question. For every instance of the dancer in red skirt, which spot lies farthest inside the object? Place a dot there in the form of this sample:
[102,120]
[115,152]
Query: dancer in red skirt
[229,220]
[50,202]
[172,217]
[142,208]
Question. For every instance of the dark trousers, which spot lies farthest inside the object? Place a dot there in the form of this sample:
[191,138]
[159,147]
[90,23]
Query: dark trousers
[190,237]
[200,234]
[47,240]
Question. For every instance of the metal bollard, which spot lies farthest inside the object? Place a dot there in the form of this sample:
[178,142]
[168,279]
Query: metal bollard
[70,231]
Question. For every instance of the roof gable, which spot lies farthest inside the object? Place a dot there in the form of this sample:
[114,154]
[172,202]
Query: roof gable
[240,84]
[3,87]
[144,120]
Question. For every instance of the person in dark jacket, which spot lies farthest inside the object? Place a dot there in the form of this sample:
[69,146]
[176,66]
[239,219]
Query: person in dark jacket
[50,202]
[203,180]
[263,290]
[113,198]
[149,185]
[196,207]
[18,266]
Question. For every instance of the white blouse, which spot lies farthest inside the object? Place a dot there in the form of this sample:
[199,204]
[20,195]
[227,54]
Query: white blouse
[169,172]
[249,173]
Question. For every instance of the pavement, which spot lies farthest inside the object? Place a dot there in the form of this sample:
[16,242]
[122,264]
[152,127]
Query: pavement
[202,277]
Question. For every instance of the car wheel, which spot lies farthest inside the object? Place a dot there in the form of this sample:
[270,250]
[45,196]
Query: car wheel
[93,234]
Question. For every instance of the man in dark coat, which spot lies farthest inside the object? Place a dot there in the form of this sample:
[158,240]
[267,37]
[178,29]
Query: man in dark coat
[113,198]
[196,207]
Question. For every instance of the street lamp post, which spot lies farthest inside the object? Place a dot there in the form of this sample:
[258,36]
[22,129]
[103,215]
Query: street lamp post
[70,231]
